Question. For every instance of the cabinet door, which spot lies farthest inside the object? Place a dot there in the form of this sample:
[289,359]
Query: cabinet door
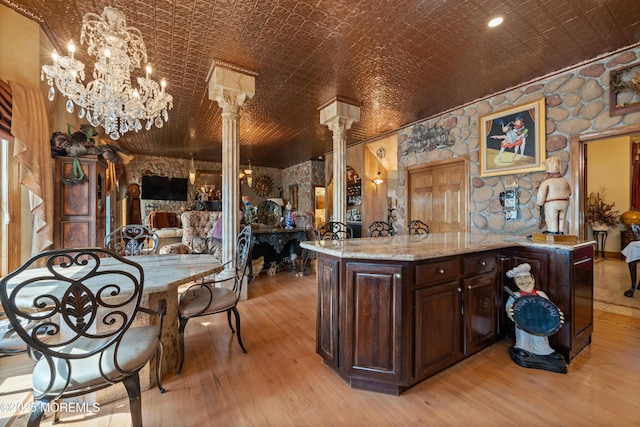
[480,312]
[327,323]
[373,322]
[438,328]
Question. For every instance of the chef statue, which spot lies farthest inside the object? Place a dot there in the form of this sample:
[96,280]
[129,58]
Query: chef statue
[553,197]
[533,350]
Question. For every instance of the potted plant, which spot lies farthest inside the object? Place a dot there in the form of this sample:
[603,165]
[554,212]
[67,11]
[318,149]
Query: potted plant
[600,214]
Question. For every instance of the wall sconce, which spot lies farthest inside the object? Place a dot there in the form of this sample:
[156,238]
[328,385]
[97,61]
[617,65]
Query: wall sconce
[378,179]
[192,171]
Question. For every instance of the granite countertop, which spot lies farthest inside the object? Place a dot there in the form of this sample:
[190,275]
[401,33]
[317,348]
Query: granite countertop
[434,245]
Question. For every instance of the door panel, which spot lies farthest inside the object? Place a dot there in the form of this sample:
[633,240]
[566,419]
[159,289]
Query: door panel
[438,195]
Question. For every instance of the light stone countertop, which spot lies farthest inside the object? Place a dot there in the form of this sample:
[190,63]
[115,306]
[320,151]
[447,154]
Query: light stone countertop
[419,247]
[162,273]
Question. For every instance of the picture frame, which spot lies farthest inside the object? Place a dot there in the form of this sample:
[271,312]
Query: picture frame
[512,141]
[293,196]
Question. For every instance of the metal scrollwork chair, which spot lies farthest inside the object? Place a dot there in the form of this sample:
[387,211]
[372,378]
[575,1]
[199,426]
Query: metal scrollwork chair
[84,302]
[417,227]
[204,298]
[334,230]
[132,239]
[380,229]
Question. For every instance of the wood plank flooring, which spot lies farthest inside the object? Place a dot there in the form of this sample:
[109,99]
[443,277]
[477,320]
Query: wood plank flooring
[281,381]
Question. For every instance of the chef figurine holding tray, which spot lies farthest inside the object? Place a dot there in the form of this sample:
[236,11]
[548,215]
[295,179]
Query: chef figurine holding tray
[532,350]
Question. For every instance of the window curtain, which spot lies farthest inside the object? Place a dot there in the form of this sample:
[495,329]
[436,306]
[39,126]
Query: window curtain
[30,130]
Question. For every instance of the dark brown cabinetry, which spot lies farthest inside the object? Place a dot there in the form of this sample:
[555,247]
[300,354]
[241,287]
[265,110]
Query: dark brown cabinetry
[373,330]
[327,328]
[455,310]
[566,276]
[386,325]
[79,208]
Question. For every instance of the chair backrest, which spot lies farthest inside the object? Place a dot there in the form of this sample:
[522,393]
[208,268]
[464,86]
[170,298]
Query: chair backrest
[380,229]
[132,239]
[334,230]
[197,229]
[417,227]
[87,298]
[243,246]
[635,229]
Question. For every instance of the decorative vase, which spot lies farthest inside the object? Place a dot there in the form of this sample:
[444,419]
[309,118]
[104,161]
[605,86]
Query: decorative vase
[599,226]
[630,217]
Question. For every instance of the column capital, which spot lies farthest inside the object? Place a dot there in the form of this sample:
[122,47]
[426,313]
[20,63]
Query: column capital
[230,89]
[339,114]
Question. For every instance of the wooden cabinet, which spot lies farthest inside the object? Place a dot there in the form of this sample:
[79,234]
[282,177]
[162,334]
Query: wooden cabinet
[566,276]
[456,310]
[79,208]
[437,328]
[386,325]
[372,314]
[328,271]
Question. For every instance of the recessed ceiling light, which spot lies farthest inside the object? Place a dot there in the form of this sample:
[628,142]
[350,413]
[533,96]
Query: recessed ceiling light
[495,21]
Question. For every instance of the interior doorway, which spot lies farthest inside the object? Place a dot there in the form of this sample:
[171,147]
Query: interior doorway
[437,195]
[578,168]
[319,195]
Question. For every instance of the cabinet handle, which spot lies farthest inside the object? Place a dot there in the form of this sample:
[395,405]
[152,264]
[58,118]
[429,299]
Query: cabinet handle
[459,290]
[397,276]
[469,287]
[483,263]
[441,271]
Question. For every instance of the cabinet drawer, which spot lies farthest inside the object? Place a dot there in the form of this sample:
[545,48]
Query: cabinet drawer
[478,263]
[437,271]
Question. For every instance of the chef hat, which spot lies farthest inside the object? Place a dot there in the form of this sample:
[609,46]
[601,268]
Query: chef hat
[520,270]
[552,164]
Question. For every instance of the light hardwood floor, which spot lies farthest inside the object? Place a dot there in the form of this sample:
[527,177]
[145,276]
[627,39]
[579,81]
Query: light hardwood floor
[281,381]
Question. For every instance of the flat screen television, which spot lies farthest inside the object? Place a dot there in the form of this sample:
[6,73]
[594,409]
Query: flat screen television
[164,188]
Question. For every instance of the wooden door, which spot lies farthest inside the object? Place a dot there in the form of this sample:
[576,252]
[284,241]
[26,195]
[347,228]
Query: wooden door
[438,195]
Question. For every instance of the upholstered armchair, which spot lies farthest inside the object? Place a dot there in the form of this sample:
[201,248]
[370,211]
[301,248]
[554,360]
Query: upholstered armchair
[201,233]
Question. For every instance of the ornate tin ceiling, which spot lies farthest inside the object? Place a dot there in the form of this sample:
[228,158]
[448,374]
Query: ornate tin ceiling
[403,60]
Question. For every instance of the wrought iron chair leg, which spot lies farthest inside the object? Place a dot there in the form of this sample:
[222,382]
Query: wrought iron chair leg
[56,415]
[132,384]
[237,315]
[159,367]
[229,321]
[183,323]
[37,412]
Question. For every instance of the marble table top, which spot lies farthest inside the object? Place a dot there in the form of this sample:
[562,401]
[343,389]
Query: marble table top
[434,245]
[161,274]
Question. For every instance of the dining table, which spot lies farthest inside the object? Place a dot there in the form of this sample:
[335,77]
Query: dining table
[163,275]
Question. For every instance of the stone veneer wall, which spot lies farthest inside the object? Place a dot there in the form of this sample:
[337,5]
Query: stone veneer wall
[306,175]
[179,168]
[577,101]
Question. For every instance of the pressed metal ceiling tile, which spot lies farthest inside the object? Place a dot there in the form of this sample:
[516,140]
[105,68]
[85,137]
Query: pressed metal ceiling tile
[402,60]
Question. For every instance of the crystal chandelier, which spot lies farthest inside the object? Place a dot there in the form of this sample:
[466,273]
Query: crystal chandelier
[110,100]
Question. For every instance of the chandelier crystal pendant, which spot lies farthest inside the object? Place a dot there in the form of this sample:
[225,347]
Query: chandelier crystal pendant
[110,100]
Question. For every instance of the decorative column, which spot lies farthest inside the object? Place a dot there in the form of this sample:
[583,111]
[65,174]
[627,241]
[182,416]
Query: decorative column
[230,89]
[338,116]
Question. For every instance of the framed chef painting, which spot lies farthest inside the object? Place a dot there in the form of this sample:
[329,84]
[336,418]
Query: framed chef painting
[512,141]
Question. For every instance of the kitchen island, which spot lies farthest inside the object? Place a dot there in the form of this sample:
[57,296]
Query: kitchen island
[394,310]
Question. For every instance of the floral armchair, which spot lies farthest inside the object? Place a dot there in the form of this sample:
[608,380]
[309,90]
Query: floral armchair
[201,233]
